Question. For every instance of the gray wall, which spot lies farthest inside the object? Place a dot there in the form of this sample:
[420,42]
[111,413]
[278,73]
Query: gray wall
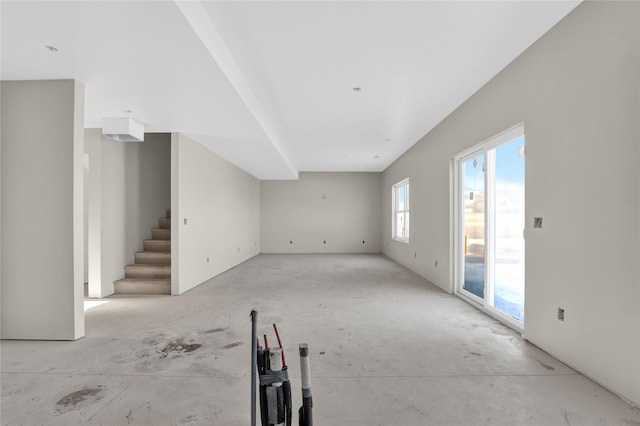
[221,206]
[42,210]
[342,209]
[129,190]
[577,91]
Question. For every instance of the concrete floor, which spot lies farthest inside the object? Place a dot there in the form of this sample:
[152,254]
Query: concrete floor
[387,348]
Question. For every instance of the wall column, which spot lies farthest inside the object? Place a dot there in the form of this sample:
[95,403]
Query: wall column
[42,210]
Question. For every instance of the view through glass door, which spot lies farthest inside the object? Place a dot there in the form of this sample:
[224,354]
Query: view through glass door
[474,222]
[490,246]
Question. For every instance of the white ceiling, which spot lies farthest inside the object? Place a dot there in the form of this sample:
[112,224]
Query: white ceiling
[269,85]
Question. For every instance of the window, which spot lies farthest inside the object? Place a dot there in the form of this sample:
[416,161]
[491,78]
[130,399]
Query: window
[400,224]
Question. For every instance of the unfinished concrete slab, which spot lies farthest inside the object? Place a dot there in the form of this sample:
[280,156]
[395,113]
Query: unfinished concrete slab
[387,348]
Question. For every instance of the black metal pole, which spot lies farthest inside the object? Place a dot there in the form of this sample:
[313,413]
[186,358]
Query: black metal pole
[254,365]
[305,415]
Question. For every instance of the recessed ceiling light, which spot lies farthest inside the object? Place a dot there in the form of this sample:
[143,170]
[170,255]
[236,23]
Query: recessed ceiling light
[128,111]
[375,157]
[387,140]
[51,49]
[357,89]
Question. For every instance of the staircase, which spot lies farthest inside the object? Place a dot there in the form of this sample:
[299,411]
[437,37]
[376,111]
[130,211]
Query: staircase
[151,274]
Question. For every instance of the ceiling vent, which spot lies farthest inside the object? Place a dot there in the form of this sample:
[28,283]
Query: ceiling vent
[123,129]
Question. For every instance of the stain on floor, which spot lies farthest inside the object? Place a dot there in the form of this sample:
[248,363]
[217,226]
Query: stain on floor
[80,398]
[472,354]
[191,418]
[160,352]
[215,330]
[180,347]
[546,367]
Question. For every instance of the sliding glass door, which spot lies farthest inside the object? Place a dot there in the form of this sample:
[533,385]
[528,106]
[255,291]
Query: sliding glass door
[508,286]
[490,224]
[474,224]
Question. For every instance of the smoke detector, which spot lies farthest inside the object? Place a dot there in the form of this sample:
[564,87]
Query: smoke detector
[123,129]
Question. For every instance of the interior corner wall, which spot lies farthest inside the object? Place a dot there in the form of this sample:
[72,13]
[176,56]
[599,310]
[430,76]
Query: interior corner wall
[215,214]
[576,90]
[86,216]
[129,191]
[79,235]
[322,212]
[42,203]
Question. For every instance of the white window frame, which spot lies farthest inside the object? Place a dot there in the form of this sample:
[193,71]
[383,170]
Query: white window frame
[395,210]
[457,224]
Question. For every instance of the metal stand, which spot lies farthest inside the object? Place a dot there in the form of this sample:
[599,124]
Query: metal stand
[275,389]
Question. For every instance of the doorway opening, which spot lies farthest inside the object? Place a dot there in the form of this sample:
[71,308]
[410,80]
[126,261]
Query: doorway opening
[489,188]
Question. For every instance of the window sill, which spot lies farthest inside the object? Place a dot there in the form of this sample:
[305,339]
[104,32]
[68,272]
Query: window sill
[401,240]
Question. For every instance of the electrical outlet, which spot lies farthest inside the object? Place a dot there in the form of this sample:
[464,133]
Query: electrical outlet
[207,259]
[415,254]
[436,263]
[537,222]
[561,314]
[185,220]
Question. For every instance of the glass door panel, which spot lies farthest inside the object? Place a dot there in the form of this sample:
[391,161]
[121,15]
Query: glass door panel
[474,224]
[508,271]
